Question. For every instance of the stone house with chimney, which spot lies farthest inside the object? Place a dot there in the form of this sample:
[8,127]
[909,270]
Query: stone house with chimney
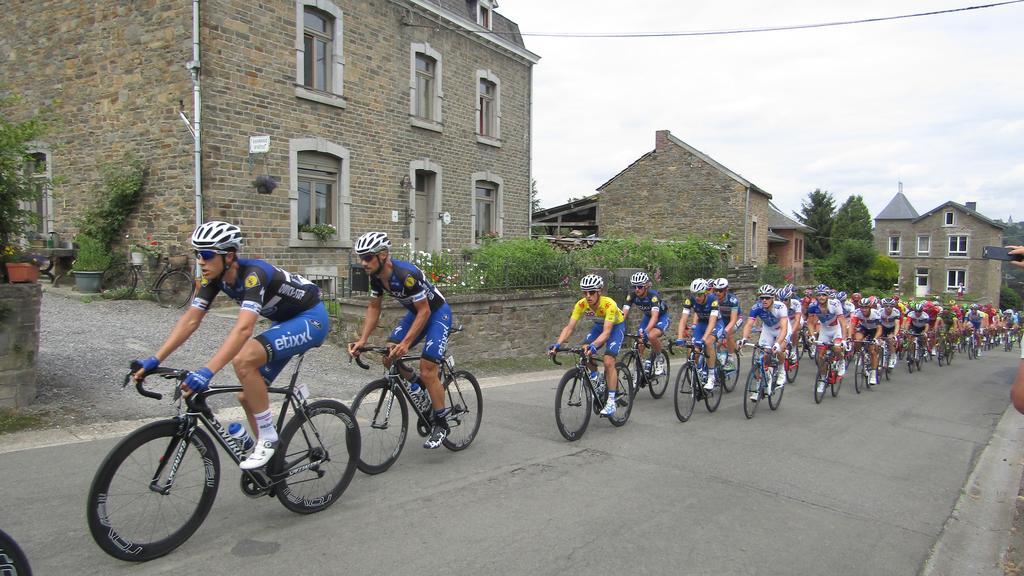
[407,116]
[672,192]
[940,250]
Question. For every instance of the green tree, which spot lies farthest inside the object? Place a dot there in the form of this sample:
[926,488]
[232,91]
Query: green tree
[17,186]
[884,273]
[817,212]
[1008,298]
[852,221]
[534,197]
[848,266]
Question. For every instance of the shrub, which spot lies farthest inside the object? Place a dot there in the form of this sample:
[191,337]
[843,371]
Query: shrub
[1008,298]
[521,263]
[884,272]
[118,196]
[92,255]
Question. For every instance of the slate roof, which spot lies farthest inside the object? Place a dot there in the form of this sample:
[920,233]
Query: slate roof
[777,220]
[974,213]
[501,26]
[899,208]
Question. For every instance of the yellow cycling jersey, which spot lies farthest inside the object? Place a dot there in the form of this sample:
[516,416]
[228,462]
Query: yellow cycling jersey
[607,311]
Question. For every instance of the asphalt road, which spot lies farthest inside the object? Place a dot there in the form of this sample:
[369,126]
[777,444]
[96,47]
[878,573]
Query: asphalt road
[859,485]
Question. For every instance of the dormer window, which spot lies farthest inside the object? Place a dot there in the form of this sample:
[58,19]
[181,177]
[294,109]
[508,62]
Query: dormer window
[484,14]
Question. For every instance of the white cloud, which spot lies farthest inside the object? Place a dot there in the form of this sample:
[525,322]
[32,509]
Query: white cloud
[933,101]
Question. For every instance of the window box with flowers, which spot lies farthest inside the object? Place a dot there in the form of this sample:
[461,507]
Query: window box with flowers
[321,232]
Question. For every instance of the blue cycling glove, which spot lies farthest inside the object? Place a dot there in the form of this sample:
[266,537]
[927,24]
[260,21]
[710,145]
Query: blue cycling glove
[680,341]
[199,380]
[555,347]
[592,349]
[149,364]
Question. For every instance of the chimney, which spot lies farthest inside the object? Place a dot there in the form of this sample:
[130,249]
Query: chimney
[661,140]
[972,206]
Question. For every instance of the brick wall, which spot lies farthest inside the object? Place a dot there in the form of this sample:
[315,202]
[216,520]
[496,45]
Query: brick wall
[671,193]
[19,343]
[118,90]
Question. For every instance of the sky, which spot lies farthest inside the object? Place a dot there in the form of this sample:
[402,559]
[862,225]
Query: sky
[935,102]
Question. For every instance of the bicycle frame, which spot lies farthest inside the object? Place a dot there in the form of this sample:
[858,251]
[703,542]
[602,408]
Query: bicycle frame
[397,382]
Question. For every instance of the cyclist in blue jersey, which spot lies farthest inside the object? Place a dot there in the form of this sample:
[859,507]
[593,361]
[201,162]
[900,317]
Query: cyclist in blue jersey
[709,326]
[428,317]
[730,310]
[292,303]
[655,320]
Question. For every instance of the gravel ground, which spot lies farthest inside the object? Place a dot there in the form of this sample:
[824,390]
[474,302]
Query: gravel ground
[85,348]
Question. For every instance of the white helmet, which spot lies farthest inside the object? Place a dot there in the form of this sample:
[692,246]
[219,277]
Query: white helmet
[372,243]
[699,286]
[766,290]
[720,283]
[639,279]
[216,235]
[591,282]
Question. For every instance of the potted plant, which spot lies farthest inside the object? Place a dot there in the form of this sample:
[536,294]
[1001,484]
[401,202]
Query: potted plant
[19,267]
[150,249]
[91,260]
[323,232]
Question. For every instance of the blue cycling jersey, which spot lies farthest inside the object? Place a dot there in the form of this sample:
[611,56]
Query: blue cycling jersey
[769,317]
[702,309]
[264,289]
[408,285]
[647,302]
[728,304]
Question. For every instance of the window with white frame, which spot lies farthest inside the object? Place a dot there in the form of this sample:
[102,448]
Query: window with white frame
[894,245]
[484,13]
[487,205]
[924,245]
[320,194]
[949,218]
[958,245]
[956,278]
[425,91]
[319,58]
[488,107]
[38,174]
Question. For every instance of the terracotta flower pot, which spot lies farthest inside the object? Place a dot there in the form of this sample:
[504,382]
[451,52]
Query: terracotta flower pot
[22,272]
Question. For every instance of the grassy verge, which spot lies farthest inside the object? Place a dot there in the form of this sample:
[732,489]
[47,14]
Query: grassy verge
[503,366]
[14,421]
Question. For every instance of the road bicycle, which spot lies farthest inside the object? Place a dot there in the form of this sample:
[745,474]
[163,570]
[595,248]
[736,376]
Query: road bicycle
[764,368]
[830,378]
[577,396]
[382,410]
[972,345]
[173,285]
[945,348]
[730,364]
[156,486]
[806,344]
[690,381]
[861,363]
[915,352]
[655,379]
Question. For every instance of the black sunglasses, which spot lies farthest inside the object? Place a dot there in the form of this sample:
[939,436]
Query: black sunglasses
[366,257]
[766,297]
[208,254]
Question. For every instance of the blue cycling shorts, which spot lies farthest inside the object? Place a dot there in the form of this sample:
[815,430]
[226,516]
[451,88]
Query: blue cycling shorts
[436,332]
[293,336]
[700,327]
[662,324]
[611,347]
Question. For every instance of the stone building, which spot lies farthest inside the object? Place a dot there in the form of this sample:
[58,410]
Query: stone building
[672,192]
[940,250]
[408,116]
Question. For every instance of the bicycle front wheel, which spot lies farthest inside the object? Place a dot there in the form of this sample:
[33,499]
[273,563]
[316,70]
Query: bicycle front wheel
[859,376]
[751,394]
[462,395]
[686,392]
[820,383]
[573,403]
[383,420]
[175,289]
[138,507]
[324,437]
[659,378]
[713,397]
[775,398]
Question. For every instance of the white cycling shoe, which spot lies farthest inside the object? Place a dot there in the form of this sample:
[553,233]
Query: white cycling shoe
[262,454]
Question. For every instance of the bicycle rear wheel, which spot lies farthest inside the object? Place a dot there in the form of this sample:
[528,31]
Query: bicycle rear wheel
[775,398]
[660,375]
[685,392]
[175,289]
[462,395]
[120,276]
[326,438]
[573,403]
[383,420]
[135,512]
[732,376]
[623,401]
[713,397]
[820,383]
[859,377]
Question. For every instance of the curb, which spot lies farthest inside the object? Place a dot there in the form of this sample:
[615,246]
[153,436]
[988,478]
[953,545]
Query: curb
[978,531]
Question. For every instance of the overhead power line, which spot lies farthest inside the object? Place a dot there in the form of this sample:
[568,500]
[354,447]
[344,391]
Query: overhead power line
[758,29]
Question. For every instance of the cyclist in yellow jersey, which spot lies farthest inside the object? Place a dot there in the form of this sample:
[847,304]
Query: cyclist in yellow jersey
[609,329]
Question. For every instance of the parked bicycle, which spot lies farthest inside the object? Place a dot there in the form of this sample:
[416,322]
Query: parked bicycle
[173,285]
[578,396]
[691,379]
[156,486]
[764,368]
[655,378]
[382,410]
